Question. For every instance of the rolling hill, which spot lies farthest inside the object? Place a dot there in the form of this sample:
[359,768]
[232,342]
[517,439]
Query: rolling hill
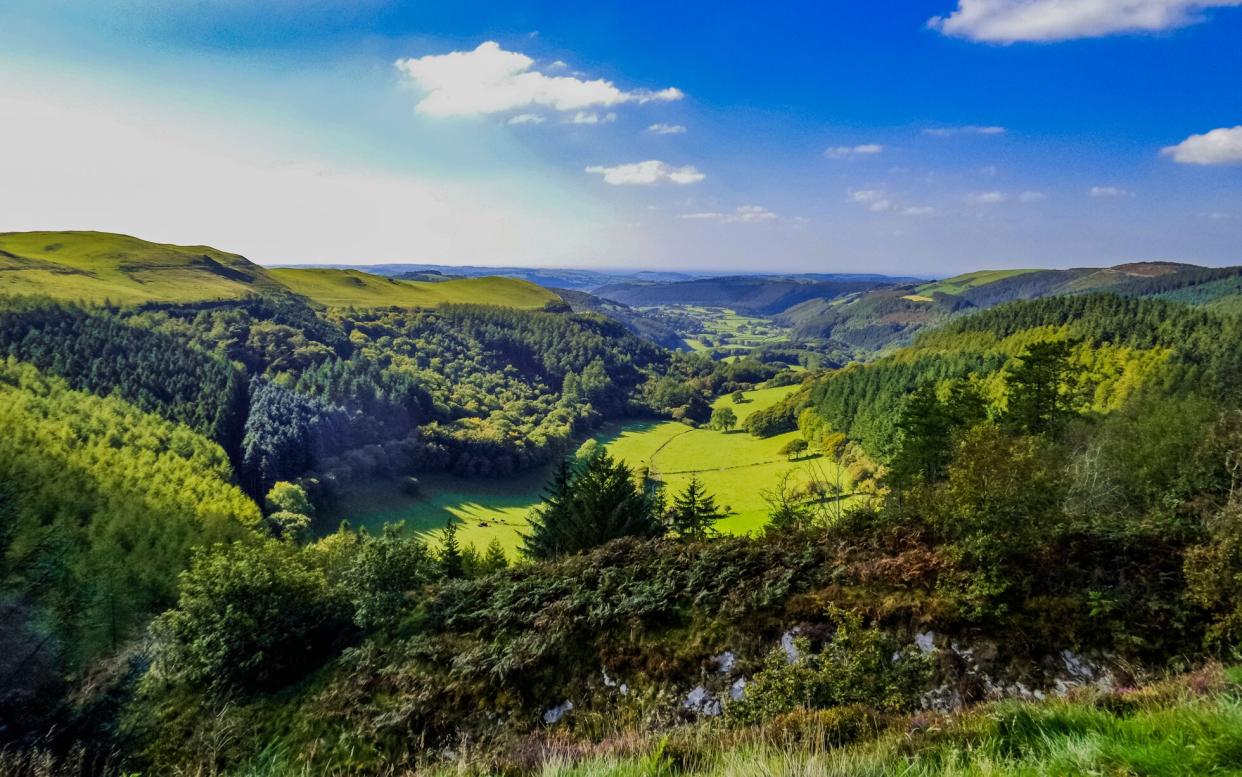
[101,267]
[748,294]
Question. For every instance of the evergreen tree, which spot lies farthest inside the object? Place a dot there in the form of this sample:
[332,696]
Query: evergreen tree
[693,511]
[924,440]
[452,563]
[590,505]
[1042,397]
[494,558]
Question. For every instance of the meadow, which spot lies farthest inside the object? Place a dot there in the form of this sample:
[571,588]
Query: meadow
[733,466]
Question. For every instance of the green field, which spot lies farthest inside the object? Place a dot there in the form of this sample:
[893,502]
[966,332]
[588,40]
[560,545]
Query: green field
[729,330]
[100,266]
[959,283]
[735,467]
[354,288]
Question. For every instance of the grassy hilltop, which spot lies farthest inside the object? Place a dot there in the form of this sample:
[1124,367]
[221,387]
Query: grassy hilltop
[99,266]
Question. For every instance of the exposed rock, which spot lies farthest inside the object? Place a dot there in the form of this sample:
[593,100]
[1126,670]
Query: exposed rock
[554,715]
[787,644]
[725,662]
[701,702]
[738,689]
[926,642]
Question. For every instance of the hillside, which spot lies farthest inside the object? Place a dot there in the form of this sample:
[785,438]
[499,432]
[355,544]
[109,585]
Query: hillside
[97,267]
[748,294]
[354,288]
[634,320]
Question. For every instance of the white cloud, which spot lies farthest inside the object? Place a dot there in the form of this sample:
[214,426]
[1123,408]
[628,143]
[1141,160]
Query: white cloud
[1008,21]
[492,80]
[103,164]
[746,214]
[666,129]
[844,152]
[1032,197]
[527,118]
[880,201]
[1101,192]
[919,210]
[969,129]
[1219,147]
[647,173]
[987,198]
[591,117]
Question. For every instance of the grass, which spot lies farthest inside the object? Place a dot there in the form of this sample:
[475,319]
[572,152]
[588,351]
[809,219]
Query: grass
[1095,734]
[99,266]
[735,467]
[741,332]
[354,288]
[959,283]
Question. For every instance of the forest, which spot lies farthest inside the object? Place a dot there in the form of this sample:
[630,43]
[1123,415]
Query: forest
[1042,525]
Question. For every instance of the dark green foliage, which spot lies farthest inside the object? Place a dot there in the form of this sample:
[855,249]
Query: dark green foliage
[98,352]
[693,511]
[589,504]
[286,434]
[925,432]
[449,558]
[249,617]
[1041,389]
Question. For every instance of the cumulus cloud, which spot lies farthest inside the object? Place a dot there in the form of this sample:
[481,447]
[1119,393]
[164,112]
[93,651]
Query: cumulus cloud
[666,129]
[987,198]
[647,173]
[527,118]
[969,129]
[1103,192]
[1009,21]
[746,214]
[591,117]
[845,152]
[1219,147]
[491,80]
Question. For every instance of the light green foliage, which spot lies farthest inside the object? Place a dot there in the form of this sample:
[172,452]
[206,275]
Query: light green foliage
[959,283]
[289,511]
[724,419]
[857,665]
[107,502]
[794,448]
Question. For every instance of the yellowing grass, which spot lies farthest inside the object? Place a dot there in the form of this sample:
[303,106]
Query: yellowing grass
[354,288]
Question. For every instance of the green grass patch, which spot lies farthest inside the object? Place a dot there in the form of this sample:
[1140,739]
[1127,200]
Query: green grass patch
[354,288]
[959,283]
[735,467]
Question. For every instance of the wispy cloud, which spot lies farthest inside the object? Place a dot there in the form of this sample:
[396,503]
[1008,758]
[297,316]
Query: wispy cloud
[1010,21]
[880,201]
[746,214]
[969,129]
[1219,147]
[845,152]
[1106,192]
[647,173]
[527,118]
[666,129]
[987,198]
[1032,197]
[591,117]
[491,80]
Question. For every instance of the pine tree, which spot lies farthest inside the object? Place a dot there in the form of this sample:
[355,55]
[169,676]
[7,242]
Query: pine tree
[452,564]
[494,558]
[693,511]
[590,505]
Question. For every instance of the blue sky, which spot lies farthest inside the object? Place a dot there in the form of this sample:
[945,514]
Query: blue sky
[924,137]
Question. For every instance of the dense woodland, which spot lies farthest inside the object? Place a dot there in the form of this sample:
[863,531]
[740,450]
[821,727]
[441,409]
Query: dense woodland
[1046,478]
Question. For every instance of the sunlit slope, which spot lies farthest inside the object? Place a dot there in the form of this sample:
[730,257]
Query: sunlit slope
[354,288]
[99,266]
[959,283]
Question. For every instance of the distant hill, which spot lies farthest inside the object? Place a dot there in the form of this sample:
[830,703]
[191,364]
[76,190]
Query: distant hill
[634,320]
[99,266]
[749,294]
[566,278]
[354,288]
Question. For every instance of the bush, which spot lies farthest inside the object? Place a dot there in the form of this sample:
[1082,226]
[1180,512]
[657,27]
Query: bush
[856,666]
[384,570]
[249,617]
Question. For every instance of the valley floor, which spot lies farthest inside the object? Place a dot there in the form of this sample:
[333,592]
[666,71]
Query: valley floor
[735,467]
